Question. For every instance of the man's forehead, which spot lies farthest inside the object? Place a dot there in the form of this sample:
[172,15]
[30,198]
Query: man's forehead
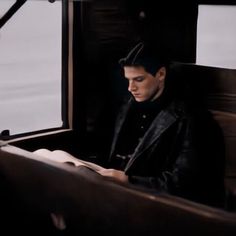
[131,72]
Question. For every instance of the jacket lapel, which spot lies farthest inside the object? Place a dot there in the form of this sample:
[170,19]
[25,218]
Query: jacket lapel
[160,124]
[120,121]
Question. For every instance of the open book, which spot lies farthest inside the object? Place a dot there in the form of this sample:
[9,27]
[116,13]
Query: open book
[64,157]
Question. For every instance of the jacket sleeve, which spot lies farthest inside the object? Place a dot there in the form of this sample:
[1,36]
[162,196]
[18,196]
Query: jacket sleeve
[181,175]
[196,170]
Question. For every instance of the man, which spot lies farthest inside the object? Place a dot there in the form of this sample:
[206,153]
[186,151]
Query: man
[145,88]
[159,142]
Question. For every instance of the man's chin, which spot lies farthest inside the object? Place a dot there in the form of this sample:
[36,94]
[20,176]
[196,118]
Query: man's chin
[139,99]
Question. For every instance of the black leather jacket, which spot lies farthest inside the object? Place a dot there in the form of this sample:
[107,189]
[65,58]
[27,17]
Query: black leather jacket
[181,153]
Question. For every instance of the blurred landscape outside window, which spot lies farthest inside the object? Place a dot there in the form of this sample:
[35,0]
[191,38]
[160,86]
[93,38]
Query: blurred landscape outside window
[30,67]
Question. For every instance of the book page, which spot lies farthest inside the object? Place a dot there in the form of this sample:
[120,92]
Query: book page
[63,157]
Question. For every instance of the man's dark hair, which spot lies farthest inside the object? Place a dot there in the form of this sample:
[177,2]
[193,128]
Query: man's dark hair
[145,56]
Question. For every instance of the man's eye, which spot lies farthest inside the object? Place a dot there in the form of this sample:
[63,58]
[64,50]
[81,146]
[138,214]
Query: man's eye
[139,79]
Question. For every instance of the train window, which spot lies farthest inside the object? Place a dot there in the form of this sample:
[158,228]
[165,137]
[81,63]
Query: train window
[216,36]
[30,67]
[5,7]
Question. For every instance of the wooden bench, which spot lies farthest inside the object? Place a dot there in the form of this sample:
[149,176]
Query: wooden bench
[91,205]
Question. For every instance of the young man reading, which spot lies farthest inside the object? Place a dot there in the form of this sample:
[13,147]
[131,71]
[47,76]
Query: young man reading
[160,143]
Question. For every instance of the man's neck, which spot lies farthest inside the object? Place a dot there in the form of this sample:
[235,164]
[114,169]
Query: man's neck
[157,94]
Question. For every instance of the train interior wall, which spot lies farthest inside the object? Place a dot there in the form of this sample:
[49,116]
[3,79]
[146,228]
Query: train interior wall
[108,30]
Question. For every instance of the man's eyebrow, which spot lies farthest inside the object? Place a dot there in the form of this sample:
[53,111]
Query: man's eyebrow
[136,77]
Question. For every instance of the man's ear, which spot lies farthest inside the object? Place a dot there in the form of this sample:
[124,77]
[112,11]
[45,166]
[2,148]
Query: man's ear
[161,74]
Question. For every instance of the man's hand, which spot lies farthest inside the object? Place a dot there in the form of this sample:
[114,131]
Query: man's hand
[116,175]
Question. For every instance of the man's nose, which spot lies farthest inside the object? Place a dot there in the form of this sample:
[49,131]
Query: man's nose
[132,86]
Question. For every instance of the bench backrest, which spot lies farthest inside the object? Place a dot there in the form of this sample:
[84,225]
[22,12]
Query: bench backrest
[216,89]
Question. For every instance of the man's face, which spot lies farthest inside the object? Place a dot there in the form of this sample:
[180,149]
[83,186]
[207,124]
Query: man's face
[143,85]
